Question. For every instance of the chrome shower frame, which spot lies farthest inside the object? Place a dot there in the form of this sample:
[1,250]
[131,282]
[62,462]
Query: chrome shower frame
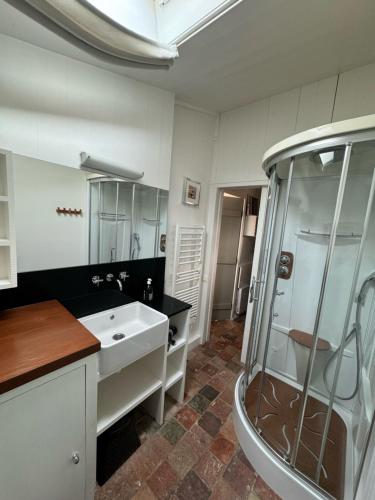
[345,141]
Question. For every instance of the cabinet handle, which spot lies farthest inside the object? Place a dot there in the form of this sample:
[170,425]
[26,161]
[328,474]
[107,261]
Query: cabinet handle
[75,457]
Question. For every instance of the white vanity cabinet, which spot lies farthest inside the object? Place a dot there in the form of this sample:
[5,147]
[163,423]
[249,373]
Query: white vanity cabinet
[48,436]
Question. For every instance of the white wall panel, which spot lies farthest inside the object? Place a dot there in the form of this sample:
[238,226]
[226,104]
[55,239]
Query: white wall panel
[355,93]
[282,116]
[192,157]
[240,145]
[52,107]
[316,104]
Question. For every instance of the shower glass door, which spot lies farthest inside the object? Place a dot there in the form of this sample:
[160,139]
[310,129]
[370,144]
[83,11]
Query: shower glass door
[308,190]
[313,331]
[337,373]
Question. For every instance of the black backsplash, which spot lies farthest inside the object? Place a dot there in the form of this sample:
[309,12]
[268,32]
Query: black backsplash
[69,282]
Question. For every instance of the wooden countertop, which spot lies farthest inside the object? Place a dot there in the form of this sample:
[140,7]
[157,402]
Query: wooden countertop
[38,339]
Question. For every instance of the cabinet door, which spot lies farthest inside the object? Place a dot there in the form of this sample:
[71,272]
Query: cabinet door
[39,431]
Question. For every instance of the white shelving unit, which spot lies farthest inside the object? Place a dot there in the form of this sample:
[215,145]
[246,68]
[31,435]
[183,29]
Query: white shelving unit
[118,394]
[8,263]
[146,380]
[177,356]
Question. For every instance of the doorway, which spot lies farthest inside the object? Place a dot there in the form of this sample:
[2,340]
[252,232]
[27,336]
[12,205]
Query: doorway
[238,218]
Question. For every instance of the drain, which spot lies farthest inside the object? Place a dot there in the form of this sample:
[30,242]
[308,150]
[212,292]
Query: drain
[118,336]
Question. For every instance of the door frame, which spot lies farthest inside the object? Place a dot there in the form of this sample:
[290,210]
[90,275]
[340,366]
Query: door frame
[215,204]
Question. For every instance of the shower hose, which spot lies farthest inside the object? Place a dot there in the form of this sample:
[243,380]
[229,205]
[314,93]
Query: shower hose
[356,333]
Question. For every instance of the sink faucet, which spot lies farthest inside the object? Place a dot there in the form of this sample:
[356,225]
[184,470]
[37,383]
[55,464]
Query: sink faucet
[110,278]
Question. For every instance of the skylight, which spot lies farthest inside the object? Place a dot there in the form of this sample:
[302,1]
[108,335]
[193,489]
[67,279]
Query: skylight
[143,33]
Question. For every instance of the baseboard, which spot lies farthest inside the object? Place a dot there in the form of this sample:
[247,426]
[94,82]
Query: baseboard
[194,341]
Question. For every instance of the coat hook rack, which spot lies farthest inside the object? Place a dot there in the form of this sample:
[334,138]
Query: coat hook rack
[69,211]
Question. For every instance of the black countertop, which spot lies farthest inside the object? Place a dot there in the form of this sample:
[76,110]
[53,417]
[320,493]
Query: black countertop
[93,303]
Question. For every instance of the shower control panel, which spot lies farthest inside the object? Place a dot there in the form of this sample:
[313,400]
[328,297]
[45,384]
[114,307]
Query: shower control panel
[286,265]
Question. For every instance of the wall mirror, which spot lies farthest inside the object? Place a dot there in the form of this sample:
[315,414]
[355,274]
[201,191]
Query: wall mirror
[119,221]
[127,221]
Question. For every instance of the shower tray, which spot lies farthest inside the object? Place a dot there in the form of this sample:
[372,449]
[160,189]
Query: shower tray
[280,405]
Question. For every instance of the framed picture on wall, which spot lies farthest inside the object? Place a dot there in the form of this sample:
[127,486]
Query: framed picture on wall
[192,192]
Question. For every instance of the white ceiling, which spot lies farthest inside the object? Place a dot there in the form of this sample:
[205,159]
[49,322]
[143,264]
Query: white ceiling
[259,48]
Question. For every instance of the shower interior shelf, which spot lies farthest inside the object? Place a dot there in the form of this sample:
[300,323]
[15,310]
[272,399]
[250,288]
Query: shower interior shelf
[113,216]
[308,232]
[153,221]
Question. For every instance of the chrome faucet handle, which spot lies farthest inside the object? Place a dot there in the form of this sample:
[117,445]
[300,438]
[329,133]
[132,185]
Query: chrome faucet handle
[96,280]
[123,275]
[109,277]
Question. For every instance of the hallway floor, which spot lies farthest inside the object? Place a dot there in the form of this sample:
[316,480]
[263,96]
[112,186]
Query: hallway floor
[195,455]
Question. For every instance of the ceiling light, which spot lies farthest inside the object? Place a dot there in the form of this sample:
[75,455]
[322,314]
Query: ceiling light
[228,195]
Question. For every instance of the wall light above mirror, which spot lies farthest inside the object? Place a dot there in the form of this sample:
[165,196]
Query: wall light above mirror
[102,166]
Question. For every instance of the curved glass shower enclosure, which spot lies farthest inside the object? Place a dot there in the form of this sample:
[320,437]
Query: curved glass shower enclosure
[308,389]
[128,221]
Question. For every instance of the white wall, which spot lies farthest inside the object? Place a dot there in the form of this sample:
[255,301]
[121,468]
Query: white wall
[53,107]
[193,139]
[247,132]
[46,240]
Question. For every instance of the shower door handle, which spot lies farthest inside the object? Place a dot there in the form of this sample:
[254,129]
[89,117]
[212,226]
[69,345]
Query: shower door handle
[252,289]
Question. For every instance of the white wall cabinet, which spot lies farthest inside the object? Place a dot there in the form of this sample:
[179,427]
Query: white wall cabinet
[8,263]
[47,436]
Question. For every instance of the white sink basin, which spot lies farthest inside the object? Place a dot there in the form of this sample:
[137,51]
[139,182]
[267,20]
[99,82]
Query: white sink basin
[126,334]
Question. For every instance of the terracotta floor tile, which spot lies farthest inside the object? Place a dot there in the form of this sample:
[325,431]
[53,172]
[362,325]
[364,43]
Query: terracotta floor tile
[221,409]
[225,355]
[199,403]
[210,423]
[201,355]
[198,439]
[227,374]
[232,350]
[228,395]
[192,386]
[263,491]
[202,377]
[183,458]
[192,488]
[234,367]
[158,446]
[163,480]
[229,432]
[241,455]
[144,494]
[223,491]
[172,431]
[187,417]
[209,469]
[240,477]
[218,362]
[209,392]
[210,369]
[218,382]
[223,449]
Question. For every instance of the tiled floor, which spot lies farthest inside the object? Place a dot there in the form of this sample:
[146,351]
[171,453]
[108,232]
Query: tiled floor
[195,455]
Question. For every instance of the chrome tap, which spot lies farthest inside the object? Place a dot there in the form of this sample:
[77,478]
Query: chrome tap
[110,278]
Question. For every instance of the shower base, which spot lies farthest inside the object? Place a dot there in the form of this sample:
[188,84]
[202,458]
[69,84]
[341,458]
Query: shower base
[279,410]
